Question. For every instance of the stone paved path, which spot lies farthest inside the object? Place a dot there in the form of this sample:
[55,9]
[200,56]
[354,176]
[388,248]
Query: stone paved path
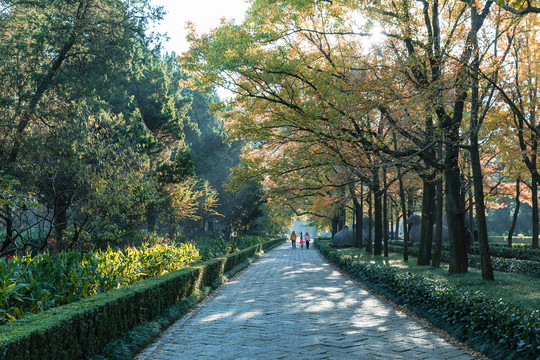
[291,304]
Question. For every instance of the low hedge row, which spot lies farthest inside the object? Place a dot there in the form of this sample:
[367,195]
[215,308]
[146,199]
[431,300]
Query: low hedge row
[515,252]
[500,330]
[525,267]
[82,329]
[496,250]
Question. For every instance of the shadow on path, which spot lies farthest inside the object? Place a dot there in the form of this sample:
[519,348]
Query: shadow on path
[291,304]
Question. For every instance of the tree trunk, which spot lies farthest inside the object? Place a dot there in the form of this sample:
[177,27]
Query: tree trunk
[436,260]
[334,227]
[377,250]
[516,213]
[369,248]
[392,224]
[534,190]
[342,216]
[455,204]
[357,218]
[360,223]
[533,169]
[385,218]
[483,241]
[478,177]
[404,211]
[455,210]
[396,228]
[426,233]
[61,205]
[471,205]
[450,125]
[358,235]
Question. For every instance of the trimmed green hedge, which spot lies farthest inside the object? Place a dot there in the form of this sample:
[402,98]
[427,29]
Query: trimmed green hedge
[496,250]
[515,252]
[525,267]
[82,329]
[500,330]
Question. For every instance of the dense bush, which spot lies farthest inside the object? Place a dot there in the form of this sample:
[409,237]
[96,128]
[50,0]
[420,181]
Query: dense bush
[515,252]
[492,326]
[525,267]
[210,248]
[496,250]
[32,284]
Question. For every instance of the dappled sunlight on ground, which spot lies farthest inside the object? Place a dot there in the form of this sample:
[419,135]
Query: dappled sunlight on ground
[218,316]
[293,305]
[248,315]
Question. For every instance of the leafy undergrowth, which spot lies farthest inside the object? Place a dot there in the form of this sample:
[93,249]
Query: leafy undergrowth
[31,284]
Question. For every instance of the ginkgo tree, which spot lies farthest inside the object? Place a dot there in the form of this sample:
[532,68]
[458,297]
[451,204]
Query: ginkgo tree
[301,74]
[299,79]
[521,97]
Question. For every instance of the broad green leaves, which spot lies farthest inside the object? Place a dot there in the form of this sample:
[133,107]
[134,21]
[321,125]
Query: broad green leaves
[32,284]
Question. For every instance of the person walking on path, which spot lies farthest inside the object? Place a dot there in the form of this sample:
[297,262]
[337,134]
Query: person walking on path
[301,242]
[307,238]
[293,240]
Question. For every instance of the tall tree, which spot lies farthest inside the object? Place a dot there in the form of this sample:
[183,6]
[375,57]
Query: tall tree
[301,76]
[522,99]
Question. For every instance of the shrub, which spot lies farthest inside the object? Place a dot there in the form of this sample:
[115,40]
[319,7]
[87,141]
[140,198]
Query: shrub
[33,284]
[210,247]
[496,250]
[502,330]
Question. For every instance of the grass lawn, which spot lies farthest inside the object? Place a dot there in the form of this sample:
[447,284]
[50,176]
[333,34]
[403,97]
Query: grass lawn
[521,290]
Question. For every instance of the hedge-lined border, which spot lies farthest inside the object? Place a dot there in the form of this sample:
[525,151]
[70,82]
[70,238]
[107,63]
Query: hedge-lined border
[496,250]
[82,329]
[525,267]
[490,326]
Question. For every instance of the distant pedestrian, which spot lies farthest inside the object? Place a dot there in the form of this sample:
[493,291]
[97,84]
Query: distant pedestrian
[293,240]
[307,238]
[301,242]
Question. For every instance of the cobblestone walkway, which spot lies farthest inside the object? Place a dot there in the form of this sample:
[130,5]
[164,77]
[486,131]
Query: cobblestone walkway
[291,304]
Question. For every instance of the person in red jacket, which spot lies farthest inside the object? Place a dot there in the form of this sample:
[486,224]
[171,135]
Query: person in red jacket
[293,240]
